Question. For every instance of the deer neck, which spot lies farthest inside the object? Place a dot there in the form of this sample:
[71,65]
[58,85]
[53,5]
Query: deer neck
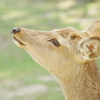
[82,84]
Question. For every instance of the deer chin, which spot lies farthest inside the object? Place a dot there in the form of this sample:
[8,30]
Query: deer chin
[18,42]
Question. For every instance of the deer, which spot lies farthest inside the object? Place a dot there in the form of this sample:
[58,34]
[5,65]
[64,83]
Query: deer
[68,54]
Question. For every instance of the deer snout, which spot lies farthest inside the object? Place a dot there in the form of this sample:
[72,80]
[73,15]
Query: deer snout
[15,30]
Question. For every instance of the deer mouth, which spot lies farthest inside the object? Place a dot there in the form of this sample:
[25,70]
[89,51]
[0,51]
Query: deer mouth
[18,42]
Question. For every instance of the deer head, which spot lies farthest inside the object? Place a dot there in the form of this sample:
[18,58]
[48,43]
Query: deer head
[59,49]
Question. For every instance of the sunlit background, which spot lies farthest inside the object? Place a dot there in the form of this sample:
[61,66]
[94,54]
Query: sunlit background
[20,77]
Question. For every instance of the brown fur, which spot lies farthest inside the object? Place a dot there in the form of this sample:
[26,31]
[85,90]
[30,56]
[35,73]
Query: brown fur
[71,62]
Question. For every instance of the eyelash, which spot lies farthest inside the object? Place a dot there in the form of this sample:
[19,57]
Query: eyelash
[55,42]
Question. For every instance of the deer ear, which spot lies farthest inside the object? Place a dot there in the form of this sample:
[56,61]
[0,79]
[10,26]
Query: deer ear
[90,48]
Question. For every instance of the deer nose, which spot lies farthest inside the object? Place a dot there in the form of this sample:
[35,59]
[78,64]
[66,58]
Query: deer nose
[15,30]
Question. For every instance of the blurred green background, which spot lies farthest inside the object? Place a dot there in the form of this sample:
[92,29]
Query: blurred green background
[20,77]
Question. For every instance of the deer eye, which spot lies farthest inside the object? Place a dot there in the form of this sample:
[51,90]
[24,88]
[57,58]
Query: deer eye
[55,42]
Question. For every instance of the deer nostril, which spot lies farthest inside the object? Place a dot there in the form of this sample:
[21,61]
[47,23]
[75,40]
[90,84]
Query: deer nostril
[15,30]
